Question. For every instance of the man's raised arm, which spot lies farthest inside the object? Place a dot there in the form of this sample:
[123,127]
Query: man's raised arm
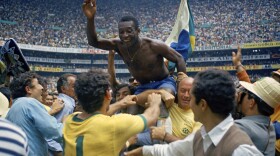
[172,55]
[89,9]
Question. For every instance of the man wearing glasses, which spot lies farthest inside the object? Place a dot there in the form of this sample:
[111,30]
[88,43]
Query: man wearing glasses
[257,102]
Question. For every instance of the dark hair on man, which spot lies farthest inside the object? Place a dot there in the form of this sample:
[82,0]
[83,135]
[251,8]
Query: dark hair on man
[263,108]
[130,18]
[63,81]
[122,85]
[217,88]
[53,93]
[90,88]
[43,81]
[19,83]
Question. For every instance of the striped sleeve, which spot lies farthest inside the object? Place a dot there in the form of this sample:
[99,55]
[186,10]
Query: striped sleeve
[13,140]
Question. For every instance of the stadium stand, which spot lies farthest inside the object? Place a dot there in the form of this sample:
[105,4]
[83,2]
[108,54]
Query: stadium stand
[48,30]
[60,23]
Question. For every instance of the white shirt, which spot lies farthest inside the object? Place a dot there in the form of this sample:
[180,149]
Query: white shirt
[69,106]
[185,147]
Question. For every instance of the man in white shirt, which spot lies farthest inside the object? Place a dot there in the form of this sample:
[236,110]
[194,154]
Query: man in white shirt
[65,88]
[212,101]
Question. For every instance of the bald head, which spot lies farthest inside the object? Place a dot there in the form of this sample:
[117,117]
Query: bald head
[183,94]
[188,80]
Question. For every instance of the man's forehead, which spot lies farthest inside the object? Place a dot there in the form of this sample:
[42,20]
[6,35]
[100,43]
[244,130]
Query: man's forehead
[186,81]
[126,24]
[71,79]
[34,80]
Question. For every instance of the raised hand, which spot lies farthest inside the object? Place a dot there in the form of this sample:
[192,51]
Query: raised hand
[236,57]
[89,8]
[57,106]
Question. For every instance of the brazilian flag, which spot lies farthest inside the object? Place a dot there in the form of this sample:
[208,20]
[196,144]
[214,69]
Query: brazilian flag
[182,36]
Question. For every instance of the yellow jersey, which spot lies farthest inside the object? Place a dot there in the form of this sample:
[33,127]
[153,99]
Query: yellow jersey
[100,135]
[183,122]
[276,117]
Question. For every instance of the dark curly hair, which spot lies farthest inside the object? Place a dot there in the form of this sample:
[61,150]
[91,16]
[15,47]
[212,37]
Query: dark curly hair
[19,83]
[90,88]
[122,85]
[43,81]
[130,18]
[217,88]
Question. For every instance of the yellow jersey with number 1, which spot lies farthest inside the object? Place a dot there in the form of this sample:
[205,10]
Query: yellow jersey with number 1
[100,135]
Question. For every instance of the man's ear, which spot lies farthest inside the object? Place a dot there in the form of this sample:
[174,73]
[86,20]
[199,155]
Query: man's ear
[63,88]
[27,90]
[252,103]
[203,104]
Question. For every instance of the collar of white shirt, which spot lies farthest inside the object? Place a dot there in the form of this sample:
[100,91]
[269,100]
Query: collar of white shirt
[217,133]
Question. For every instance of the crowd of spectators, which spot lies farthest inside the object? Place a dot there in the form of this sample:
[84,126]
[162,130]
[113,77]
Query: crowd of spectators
[61,23]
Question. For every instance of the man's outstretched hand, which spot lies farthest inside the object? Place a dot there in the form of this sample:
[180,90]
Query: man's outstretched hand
[237,57]
[89,8]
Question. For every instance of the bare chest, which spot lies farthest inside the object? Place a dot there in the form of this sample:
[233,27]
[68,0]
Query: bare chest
[141,59]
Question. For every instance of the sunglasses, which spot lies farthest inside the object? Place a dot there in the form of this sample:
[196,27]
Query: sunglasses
[242,92]
[251,95]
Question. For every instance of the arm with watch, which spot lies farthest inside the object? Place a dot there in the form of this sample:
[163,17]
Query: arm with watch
[159,133]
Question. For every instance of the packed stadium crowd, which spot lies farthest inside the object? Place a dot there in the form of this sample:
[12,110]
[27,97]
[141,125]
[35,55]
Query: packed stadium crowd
[77,110]
[60,23]
[160,110]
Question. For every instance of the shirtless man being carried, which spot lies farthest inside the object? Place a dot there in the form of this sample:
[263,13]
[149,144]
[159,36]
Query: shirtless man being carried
[143,56]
